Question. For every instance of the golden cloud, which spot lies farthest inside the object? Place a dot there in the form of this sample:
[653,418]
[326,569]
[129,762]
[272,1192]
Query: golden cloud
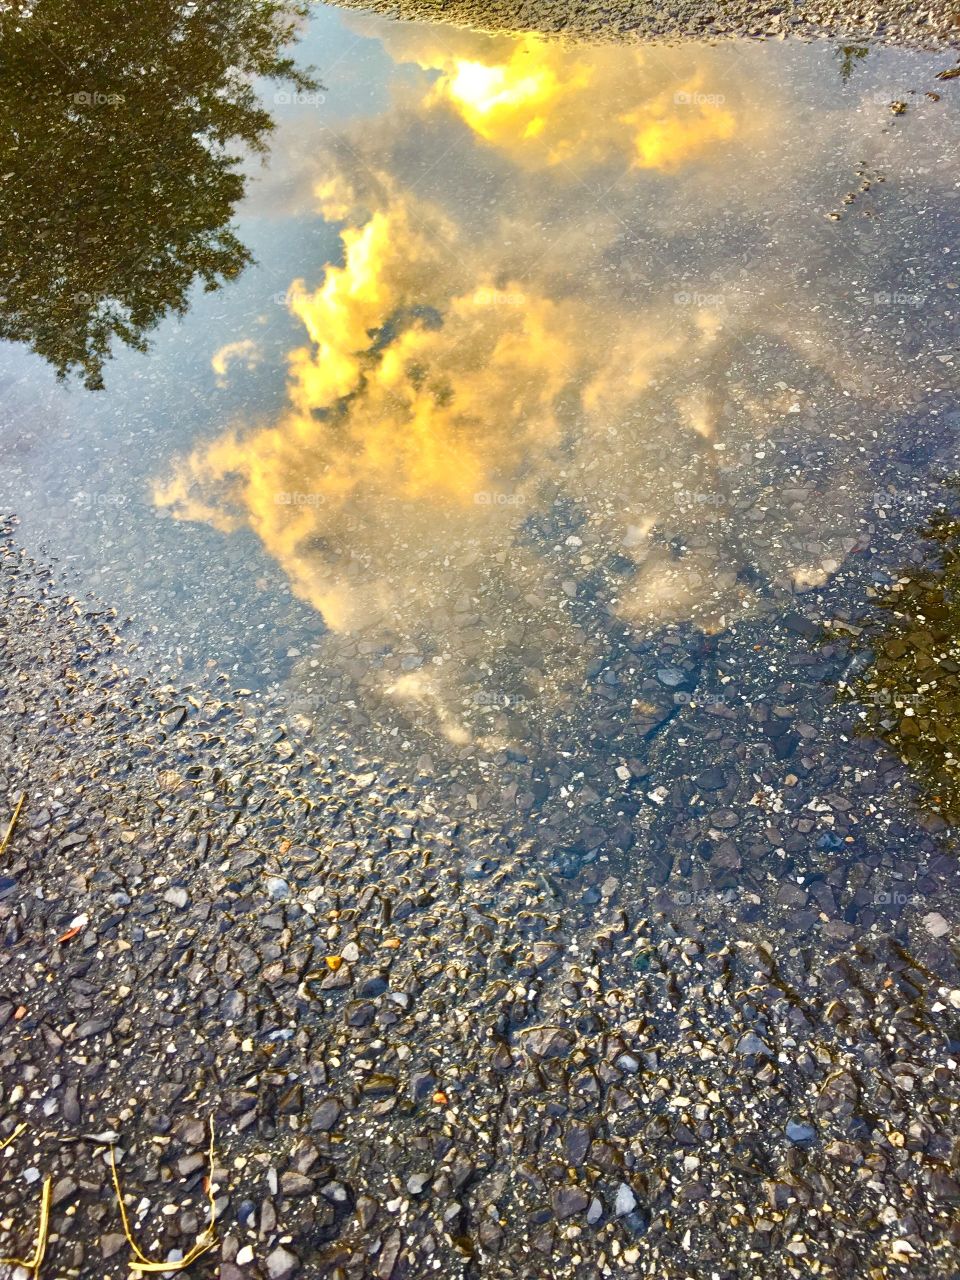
[424,414]
[444,396]
[549,104]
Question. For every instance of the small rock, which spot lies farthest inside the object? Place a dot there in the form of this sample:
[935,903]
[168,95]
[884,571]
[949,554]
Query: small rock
[548,1042]
[389,1253]
[295,1184]
[367,1209]
[65,1189]
[281,1264]
[577,1143]
[935,925]
[111,1243]
[71,1104]
[326,1115]
[568,1201]
[713,779]
[800,1133]
[751,1044]
[626,1201]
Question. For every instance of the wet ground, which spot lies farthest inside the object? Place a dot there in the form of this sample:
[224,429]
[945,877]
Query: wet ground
[892,21]
[485,723]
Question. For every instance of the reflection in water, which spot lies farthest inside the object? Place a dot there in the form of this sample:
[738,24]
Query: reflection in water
[911,690]
[548,104]
[428,403]
[520,418]
[850,57]
[119,163]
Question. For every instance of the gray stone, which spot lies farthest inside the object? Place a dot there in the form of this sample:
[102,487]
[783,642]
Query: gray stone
[548,1042]
[751,1044]
[936,925]
[568,1201]
[281,1264]
[626,1201]
[800,1133]
[326,1115]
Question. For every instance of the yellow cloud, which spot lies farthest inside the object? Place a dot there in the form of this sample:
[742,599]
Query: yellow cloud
[548,104]
[424,410]
[470,368]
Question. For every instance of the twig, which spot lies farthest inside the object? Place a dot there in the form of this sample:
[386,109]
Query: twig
[205,1242]
[21,1128]
[13,822]
[43,1230]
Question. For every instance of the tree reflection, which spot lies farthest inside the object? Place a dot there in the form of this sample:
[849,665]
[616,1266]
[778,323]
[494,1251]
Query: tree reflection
[121,138]
[850,55]
[911,690]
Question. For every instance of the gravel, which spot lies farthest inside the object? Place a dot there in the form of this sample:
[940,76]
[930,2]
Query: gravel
[579,1087]
[895,21]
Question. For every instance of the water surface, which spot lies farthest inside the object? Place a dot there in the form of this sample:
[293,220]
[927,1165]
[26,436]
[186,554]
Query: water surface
[571,400]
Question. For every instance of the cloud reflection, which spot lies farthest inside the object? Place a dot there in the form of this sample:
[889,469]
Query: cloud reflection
[452,392]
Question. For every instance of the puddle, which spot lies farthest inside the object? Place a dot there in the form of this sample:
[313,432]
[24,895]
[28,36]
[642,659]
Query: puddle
[549,405]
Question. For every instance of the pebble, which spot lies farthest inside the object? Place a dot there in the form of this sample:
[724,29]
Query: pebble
[936,925]
[625,1202]
[800,1133]
[281,1263]
[548,1042]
